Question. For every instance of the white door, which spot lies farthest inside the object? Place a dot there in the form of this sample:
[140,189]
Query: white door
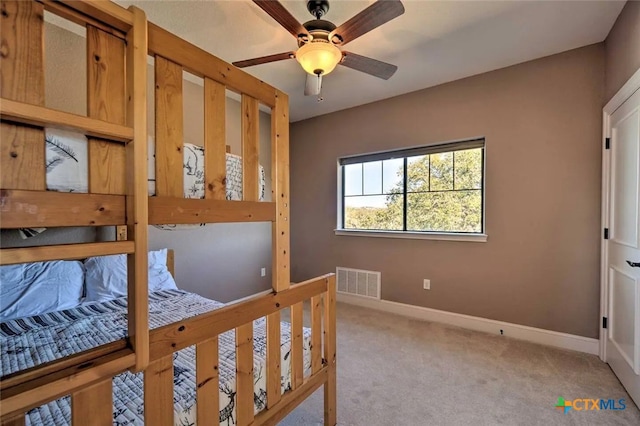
[623,251]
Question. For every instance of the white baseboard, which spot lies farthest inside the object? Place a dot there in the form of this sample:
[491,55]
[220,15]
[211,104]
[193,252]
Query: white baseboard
[516,331]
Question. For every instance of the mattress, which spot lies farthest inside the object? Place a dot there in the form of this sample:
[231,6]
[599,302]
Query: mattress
[31,341]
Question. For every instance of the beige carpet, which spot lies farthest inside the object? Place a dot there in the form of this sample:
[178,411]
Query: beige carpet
[394,370]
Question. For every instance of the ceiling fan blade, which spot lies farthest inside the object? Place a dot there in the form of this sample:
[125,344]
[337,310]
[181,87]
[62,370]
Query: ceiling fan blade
[276,10]
[372,17]
[313,85]
[368,65]
[264,59]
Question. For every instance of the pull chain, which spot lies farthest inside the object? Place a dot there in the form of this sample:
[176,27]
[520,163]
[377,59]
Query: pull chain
[320,98]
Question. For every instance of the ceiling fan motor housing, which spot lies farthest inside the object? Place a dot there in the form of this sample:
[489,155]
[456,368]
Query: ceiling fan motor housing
[319,29]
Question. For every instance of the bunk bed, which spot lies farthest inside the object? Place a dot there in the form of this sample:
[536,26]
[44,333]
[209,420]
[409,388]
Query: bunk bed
[118,44]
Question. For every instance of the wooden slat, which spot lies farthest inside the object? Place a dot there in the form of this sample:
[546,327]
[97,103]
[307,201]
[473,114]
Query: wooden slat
[169,129]
[330,392]
[35,115]
[280,192]
[33,209]
[250,148]
[203,64]
[316,333]
[22,150]
[215,164]
[106,91]
[173,337]
[244,374]
[207,382]
[297,360]
[290,400]
[43,389]
[158,392]
[106,100]
[171,260]
[274,355]
[22,65]
[78,17]
[105,11]
[137,209]
[15,420]
[166,210]
[94,402]
[24,376]
[12,256]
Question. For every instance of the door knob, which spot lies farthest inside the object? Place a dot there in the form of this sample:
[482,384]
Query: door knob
[633,264]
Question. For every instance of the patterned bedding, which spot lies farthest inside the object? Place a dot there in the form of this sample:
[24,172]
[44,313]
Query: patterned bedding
[30,341]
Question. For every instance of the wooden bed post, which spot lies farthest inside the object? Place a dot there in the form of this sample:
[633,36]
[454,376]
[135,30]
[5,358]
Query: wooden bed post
[330,391]
[280,237]
[137,200]
[280,191]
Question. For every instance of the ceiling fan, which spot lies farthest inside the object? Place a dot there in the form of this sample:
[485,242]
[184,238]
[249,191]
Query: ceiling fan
[318,40]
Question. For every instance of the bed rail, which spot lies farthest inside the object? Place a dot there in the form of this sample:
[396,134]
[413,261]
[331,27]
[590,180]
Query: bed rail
[203,331]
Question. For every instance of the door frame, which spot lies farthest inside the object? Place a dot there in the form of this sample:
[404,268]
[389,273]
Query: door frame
[625,92]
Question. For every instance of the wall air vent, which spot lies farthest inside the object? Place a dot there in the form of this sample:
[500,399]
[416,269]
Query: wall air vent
[358,282]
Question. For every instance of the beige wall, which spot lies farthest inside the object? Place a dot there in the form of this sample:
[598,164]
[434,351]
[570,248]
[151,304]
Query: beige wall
[65,59]
[622,49]
[542,123]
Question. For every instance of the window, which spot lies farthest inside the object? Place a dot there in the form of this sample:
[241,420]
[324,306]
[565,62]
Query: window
[430,189]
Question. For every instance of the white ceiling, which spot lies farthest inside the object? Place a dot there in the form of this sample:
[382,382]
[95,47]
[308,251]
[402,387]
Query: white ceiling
[432,43]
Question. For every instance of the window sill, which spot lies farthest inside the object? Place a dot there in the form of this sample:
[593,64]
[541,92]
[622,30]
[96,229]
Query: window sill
[440,236]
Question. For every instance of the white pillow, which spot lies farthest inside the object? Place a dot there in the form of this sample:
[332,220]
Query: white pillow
[36,288]
[106,276]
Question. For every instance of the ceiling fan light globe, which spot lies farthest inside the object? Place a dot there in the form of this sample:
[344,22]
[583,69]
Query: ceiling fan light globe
[318,57]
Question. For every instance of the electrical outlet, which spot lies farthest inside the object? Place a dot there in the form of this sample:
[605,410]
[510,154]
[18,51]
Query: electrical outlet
[426,284]
[263,272]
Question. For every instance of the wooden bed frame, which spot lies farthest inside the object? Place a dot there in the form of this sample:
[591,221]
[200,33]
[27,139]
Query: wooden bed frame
[118,43]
